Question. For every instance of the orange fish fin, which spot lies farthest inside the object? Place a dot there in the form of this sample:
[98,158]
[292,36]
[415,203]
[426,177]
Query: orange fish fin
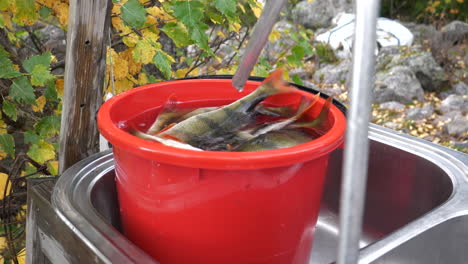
[166,136]
[166,128]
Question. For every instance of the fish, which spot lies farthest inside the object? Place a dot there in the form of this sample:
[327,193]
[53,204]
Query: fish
[211,128]
[283,138]
[164,141]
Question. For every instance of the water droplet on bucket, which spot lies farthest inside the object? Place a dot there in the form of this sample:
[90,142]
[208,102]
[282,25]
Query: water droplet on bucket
[122,125]
[142,124]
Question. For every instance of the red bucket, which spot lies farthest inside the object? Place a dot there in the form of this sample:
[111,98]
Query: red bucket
[184,206]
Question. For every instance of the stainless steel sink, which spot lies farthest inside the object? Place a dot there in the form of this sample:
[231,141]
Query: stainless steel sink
[416,207]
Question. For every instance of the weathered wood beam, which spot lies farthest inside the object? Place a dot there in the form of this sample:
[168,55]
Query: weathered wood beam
[88,32]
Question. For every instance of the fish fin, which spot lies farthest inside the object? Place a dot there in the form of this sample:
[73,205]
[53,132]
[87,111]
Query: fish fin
[166,128]
[276,84]
[305,105]
[166,136]
[320,122]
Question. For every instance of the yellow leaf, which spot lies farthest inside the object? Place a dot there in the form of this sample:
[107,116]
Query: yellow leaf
[310,1]
[48,3]
[61,11]
[220,33]
[22,256]
[257,9]
[460,1]
[59,84]
[234,27]
[123,85]
[7,20]
[41,151]
[180,73]
[116,9]
[117,23]
[53,167]
[40,101]
[144,52]
[3,243]
[3,155]
[4,183]
[130,39]
[3,127]
[158,13]
[119,65]
[150,35]
[151,20]
[274,36]
[241,7]
[142,78]
[133,66]
[229,70]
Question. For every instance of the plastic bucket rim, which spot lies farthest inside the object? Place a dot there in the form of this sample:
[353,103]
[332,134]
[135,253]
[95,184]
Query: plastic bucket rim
[216,159]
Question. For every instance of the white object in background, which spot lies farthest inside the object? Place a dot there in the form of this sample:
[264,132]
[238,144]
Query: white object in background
[389,33]
[103,143]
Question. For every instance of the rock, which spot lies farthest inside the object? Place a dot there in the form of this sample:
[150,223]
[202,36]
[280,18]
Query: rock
[310,85]
[456,26]
[454,103]
[385,57]
[460,89]
[303,74]
[315,14]
[421,32]
[393,106]
[272,49]
[429,73]
[457,127]
[418,113]
[446,117]
[390,125]
[460,144]
[333,73]
[399,84]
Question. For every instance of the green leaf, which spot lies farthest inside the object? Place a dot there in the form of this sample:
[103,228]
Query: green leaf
[10,110]
[30,137]
[50,92]
[41,151]
[32,61]
[44,12]
[40,75]
[6,66]
[297,80]
[7,144]
[22,91]
[296,57]
[48,126]
[163,63]
[178,33]
[134,14]
[227,7]
[191,13]
[25,12]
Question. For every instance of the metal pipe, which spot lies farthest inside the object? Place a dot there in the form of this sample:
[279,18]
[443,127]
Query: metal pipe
[353,187]
[257,41]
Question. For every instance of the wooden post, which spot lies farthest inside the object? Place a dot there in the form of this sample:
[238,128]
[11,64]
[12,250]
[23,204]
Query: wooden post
[88,33]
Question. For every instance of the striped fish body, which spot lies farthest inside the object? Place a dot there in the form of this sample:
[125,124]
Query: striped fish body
[276,139]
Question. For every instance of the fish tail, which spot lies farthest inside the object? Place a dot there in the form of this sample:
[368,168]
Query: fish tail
[321,122]
[305,106]
[274,83]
